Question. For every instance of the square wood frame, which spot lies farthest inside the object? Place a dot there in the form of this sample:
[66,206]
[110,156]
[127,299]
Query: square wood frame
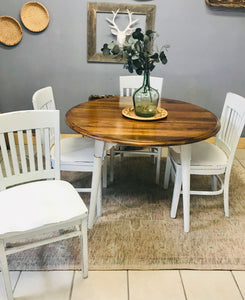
[95,7]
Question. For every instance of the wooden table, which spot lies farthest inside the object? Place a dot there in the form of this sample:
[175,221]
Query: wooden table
[102,120]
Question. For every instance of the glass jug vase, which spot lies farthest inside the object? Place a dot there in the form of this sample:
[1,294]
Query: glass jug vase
[146,98]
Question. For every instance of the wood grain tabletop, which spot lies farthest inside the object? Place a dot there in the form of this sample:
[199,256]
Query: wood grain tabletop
[103,120]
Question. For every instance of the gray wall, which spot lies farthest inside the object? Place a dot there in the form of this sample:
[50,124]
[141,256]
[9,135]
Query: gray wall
[206,58]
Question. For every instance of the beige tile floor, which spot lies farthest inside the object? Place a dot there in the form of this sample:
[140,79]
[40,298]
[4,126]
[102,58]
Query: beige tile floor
[130,285]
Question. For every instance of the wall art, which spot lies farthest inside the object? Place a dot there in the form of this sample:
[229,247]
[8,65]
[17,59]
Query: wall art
[98,31]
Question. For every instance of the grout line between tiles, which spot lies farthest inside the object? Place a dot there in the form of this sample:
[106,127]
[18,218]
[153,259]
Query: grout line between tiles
[183,286]
[128,294]
[17,281]
[72,284]
[234,278]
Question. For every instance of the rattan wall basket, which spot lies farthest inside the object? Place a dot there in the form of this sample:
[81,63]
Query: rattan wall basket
[34,16]
[10,31]
[227,3]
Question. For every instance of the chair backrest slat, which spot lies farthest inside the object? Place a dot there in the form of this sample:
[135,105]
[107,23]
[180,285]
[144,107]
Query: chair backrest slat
[22,151]
[30,150]
[1,175]
[232,123]
[46,141]
[234,120]
[5,157]
[39,152]
[19,165]
[14,156]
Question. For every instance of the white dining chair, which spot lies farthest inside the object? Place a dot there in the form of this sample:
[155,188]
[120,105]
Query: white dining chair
[36,207]
[210,159]
[128,85]
[76,153]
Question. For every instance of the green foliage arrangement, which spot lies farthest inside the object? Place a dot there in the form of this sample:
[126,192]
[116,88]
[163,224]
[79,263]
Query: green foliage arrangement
[137,51]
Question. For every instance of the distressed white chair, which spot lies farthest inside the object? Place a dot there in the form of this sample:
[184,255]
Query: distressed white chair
[211,159]
[76,153]
[128,85]
[34,202]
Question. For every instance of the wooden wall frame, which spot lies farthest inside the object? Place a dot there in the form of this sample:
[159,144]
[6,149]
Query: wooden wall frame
[226,3]
[94,7]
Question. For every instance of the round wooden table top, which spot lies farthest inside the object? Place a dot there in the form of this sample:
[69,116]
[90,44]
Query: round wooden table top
[103,120]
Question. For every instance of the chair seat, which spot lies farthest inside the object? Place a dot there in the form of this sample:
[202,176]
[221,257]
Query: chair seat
[35,204]
[203,154]
[77,149]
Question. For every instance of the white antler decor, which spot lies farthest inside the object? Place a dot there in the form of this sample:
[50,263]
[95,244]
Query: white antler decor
[121,35]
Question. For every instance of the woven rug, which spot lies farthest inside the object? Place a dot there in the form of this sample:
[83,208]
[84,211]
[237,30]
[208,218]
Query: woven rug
[136,231]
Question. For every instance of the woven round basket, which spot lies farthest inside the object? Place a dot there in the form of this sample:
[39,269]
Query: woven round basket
[10,31]
[34,16]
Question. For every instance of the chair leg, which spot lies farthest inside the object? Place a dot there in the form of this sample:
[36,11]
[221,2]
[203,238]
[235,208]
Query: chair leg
[99,200]
[167,173]
[214,183]
[159,155]
[226,195]
[185,157]
[153,156]
[84,248]
[5,272]
[176,192]
[112,157]
[104,172]
[226,201]
[96,181]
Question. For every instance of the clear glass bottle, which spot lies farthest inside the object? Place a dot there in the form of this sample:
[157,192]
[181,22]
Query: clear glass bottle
[146,98]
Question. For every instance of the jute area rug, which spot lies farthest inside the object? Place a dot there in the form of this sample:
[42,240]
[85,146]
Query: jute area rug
[136,231]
